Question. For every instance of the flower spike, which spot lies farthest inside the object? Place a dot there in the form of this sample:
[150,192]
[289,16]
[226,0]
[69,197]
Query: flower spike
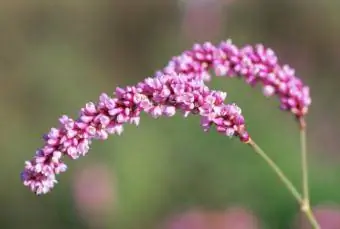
[159,96]
[255,64]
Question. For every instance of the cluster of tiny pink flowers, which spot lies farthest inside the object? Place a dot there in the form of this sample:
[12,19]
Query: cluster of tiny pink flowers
[162,95]
[179,86]
[254,64]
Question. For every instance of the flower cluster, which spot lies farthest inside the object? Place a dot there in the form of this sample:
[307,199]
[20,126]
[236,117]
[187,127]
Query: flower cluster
[179,86]
[255,64]
[162,95]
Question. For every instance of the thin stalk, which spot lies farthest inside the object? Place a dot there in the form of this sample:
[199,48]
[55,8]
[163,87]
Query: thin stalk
[289,185]
[304,161]
[311,218]
[304,166]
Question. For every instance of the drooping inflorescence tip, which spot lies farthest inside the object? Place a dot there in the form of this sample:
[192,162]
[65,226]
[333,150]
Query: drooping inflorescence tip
[255,64]
[159,96]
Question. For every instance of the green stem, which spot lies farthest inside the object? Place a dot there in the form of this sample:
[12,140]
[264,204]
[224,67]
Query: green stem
[304,162]
[311,218]
[289,185]
[278,171]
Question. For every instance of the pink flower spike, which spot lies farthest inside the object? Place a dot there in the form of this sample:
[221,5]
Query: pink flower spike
[158,96]
[256,64]
[179,86]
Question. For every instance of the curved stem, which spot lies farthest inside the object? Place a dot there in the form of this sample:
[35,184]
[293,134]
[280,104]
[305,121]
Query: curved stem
[289,185]
[278,171]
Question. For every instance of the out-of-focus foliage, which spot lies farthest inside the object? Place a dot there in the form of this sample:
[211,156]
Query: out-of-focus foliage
[57,55]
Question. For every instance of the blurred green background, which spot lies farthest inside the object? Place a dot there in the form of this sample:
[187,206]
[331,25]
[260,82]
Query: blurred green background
[57,55]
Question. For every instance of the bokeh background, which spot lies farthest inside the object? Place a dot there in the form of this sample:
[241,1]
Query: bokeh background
[167,173]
